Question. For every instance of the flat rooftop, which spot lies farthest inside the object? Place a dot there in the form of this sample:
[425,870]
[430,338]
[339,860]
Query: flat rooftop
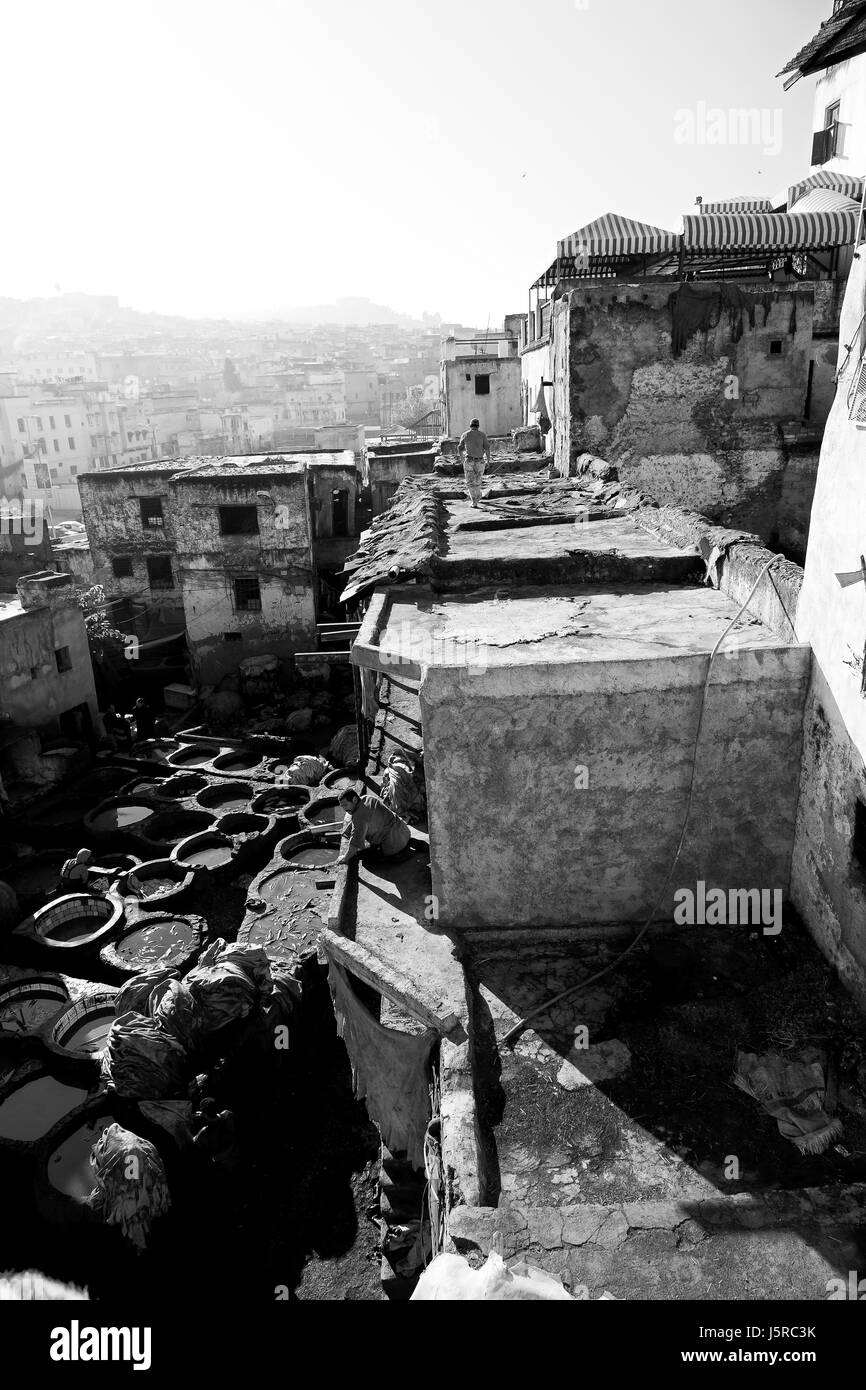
[284,461]
[409,627]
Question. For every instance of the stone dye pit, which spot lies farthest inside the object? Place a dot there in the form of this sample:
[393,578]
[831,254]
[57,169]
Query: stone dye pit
[27,1005]
[75,920]
[30,1109]
[68,1167]
[85,1025]
[163,941]
[170,827]
[225,797]
[194,755]
[207,850]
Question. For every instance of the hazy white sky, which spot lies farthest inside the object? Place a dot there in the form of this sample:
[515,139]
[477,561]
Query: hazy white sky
[204,157]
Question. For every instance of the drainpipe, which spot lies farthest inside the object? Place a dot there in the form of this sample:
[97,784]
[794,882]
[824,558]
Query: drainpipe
[363,744]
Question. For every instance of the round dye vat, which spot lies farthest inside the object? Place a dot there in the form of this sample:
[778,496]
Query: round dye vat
[170,827]
[120,817]
[315,856]
[30,1111]
[69,1168]
[209,855]
[69,930]
[328,813]
[181,786]
[163,942]
[236,761]
[281,801]
[25,1007]
[91,1035]
[232,797]
[193,755]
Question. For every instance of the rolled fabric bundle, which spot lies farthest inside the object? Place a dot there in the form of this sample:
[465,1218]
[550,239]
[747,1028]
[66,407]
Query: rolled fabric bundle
[131,1187]
[135,995]
[141,1061]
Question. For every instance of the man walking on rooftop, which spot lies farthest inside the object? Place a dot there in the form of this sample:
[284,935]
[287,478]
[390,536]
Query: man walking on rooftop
[475,449]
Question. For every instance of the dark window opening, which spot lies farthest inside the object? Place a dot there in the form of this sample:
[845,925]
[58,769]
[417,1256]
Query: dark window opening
[239,521]
[63,659]
[858,842]
[34,673]
[468,376]
[159,573]
[776,347]
[151,512]
[340,511]
[121,568]
[233,637]
[248,597]
[482,385]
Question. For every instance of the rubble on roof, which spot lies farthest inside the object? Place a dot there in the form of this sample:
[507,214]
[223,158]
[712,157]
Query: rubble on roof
[401,543]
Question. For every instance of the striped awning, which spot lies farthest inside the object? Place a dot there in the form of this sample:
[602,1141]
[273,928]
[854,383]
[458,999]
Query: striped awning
[847,184]
[738,205]
[769,231]
[825,200]
[613,235]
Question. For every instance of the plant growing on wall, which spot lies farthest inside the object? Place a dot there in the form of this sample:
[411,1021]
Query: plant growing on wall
[100,633]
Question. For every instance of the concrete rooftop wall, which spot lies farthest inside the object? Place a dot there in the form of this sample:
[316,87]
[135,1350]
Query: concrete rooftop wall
[702,429]
[829,880]
[514,842]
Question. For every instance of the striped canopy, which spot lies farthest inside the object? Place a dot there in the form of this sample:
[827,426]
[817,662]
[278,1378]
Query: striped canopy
[738,205]
[825,200]
[769,231]
[847,184]
[613,235]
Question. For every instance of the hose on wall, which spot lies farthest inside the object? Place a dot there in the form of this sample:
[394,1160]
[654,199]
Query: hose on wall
[584,984]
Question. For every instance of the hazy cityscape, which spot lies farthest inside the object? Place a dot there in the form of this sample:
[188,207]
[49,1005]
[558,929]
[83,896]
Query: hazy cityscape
[433,672]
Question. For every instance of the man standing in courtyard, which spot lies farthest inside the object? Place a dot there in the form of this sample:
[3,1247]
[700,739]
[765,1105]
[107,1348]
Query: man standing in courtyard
[475,450]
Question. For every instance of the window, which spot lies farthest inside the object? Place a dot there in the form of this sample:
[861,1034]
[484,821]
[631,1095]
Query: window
[71,442]
[151,512]
[248,596]
[233,637]
[159,573]
[63,659]
[51,422]
[39,422]
[67,420]
[239,521]
[128,437]
[121,567]
[775,347]
[482,385]
[73,469]
[57,446]
[34,673]
[21,428]
[94,441]
[340,512]
[858,840]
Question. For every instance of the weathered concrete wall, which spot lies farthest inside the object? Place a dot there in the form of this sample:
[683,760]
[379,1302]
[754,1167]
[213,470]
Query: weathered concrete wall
[536,364]
[500,411]
[33,692]
[280,556]
[514,840]
[386,469]
[828,885]
[111,513]
[699,430]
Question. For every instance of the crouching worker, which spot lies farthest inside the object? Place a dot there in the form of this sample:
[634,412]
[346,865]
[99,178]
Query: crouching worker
[370,822]
[74,874]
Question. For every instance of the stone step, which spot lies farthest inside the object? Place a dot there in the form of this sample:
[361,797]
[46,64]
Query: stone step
[801,1244]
